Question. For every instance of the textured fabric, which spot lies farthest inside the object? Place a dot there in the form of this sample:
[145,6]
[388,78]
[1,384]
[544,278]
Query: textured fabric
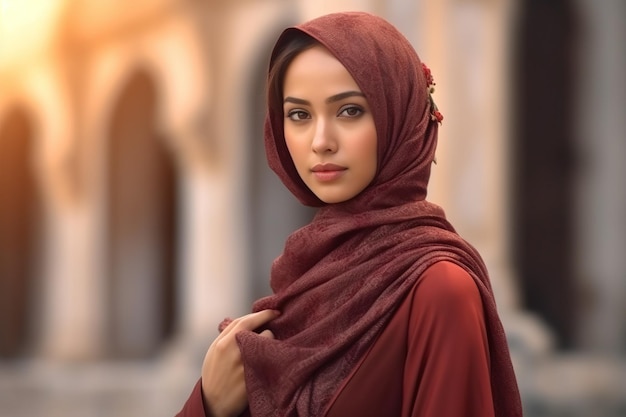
[340,279]
[405,374]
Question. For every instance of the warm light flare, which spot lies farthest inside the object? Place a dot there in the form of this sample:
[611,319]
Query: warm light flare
[26,27]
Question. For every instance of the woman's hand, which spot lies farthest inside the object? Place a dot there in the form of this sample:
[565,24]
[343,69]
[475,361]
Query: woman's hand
[223,383]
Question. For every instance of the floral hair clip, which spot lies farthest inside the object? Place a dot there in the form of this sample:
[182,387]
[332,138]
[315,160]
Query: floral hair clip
[435,114]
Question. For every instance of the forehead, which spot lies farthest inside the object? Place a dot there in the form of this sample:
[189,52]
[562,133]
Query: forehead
[316,68]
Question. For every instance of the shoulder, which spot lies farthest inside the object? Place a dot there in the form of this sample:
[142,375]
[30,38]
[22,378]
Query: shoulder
[446,280]
[446,288]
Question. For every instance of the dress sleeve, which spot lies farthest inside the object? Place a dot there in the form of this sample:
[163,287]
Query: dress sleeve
[447,367]
[194,407]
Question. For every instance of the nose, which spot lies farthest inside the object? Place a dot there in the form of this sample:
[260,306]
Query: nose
[324,139]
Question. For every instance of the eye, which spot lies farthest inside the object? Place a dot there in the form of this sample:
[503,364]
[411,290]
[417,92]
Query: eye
[297,115]
[351,111]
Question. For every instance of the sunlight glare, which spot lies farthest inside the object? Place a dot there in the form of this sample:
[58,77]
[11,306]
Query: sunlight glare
[26,28]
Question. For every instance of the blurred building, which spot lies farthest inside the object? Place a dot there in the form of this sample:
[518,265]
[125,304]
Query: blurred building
[136,208]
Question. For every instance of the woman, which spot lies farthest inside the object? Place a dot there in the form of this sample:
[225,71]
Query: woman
[379,307]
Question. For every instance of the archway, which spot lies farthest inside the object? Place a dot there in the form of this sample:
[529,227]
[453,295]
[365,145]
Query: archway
[141,224]
[19,228]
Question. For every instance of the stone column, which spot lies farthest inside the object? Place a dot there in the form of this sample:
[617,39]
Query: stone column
[467,44]
[601,259]
[70,307]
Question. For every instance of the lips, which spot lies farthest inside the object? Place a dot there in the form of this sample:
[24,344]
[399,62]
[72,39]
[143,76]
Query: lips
[328,172]
[327,168]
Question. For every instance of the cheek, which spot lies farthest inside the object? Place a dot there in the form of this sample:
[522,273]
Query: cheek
[294,146]
[289,139]
[368,148]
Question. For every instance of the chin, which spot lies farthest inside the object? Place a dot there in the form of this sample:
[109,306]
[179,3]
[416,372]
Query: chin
[332,198]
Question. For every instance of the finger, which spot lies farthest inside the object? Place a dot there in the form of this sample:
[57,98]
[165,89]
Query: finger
[255,320]
[227,329]
[224,324]
[267,333]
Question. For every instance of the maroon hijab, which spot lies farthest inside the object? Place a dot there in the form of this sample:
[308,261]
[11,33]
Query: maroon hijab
[341,278]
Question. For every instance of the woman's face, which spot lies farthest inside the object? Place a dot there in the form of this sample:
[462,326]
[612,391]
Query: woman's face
[329,128]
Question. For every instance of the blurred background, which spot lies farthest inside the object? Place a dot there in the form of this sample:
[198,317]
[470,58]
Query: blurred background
[136,208]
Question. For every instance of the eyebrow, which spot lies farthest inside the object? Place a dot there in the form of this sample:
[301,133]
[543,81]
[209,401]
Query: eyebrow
[331,99]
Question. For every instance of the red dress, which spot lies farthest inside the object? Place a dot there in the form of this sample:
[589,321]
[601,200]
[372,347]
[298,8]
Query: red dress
[432,358]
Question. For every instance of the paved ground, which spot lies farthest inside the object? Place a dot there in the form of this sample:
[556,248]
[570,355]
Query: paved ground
[93,390]
[561,386]
[574,386]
